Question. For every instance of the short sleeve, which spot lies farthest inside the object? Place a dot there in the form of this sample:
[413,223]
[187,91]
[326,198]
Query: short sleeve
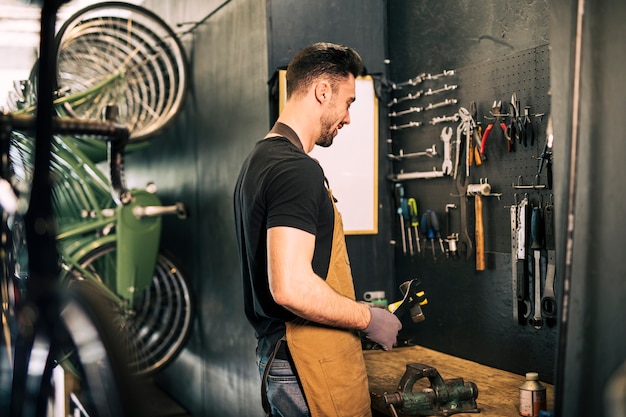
[295,195]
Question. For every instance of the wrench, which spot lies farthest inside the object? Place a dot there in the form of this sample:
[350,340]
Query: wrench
[536,245]
[464,239]
[513,214]
[429,152]
[548,301]
[446,137]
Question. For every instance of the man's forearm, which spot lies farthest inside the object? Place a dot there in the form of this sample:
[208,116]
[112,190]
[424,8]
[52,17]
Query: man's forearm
[313,299]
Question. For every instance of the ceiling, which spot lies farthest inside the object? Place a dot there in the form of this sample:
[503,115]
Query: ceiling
[19,36]
[19,20]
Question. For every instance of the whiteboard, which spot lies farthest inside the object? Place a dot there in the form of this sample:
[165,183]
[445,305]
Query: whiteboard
[351,162]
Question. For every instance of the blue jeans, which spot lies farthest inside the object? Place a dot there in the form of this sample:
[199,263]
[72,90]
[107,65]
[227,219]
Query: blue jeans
[284,392]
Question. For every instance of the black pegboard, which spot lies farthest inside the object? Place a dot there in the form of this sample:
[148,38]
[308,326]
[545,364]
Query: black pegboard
[525,73]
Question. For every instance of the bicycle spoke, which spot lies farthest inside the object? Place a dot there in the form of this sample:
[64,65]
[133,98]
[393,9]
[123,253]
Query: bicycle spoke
[119,38]
[155,329]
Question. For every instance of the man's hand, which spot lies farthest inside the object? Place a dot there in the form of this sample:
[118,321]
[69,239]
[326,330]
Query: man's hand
[383,328]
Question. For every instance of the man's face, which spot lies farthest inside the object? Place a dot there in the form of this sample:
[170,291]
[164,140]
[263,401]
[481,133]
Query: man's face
[337,112]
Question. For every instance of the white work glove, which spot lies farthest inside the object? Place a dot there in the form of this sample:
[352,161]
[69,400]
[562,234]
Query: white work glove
[383,328]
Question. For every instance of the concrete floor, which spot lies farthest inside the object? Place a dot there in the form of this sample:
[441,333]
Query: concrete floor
[157,403]
[148,400]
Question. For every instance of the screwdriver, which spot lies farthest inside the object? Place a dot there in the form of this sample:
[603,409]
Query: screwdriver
[414,221]
[399,196]
[434,223]
[404,203]
[428,231]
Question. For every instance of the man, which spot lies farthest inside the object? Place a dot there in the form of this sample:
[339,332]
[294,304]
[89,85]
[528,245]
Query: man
[296,274]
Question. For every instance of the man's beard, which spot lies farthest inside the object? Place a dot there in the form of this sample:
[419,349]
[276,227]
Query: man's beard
[326,136]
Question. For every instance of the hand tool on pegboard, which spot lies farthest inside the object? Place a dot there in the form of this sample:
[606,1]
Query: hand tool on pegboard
[446,138]
[514,129]
[446,87]
[464,129]
[496,112]
[402,211]
[529,128]
[444,119]
[548,301]
[443,103]
[546,155]
[431,230]
[519,281]
[440,398]
[464,240]
[514,272]
[478,191]
[429,152]
[410,96]
[473,147]
[412,203]
[537,234]
[412,82]
[451,237]
[522,267]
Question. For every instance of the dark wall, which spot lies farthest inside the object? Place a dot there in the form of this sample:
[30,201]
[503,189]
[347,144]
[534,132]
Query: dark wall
[496,48]
[196,161]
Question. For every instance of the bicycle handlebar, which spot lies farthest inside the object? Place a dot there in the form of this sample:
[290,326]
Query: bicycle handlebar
[106,131]
[116,136]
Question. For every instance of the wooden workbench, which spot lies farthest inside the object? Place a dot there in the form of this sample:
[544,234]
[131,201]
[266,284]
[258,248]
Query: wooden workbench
[498,391]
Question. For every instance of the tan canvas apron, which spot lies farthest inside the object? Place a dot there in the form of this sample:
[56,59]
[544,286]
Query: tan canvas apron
[329,361]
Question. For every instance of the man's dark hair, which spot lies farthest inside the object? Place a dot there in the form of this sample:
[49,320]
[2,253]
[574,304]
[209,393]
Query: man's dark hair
[322,59]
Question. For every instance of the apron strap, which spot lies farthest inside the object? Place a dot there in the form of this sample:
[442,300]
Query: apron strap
[266,372]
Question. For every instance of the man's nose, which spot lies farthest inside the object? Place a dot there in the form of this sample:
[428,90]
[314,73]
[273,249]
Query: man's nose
[346,120]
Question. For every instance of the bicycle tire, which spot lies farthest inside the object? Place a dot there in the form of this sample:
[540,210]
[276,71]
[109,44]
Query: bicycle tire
[107,388]
[157,327]
[117,39]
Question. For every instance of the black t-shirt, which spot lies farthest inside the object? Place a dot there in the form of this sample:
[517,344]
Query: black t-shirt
[279,185]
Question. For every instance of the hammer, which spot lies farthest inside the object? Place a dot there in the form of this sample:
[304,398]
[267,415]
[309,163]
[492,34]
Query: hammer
[477,191]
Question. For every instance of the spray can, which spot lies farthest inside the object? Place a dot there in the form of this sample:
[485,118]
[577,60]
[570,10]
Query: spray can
[532,396]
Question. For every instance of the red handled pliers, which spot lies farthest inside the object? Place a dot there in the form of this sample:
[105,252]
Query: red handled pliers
[496,111]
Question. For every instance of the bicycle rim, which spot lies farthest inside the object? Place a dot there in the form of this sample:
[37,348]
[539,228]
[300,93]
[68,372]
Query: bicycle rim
[106,384]
[121,53]
[155,329]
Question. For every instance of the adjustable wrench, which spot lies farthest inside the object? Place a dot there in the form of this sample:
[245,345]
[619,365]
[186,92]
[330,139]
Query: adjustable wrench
[548,301]
[464,238]
[446,137]
[536,230]
[521,303]
[514,225]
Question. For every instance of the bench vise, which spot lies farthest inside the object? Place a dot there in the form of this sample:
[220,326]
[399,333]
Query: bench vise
[441,398]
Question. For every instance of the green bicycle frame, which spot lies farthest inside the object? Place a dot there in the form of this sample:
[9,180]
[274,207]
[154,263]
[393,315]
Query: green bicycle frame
[137,238]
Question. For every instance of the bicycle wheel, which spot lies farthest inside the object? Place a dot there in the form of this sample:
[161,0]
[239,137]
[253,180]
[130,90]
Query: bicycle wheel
[156,328]
[107,388]
[115,52]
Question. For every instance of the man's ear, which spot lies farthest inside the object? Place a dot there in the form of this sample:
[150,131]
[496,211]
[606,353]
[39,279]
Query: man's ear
[322,91]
